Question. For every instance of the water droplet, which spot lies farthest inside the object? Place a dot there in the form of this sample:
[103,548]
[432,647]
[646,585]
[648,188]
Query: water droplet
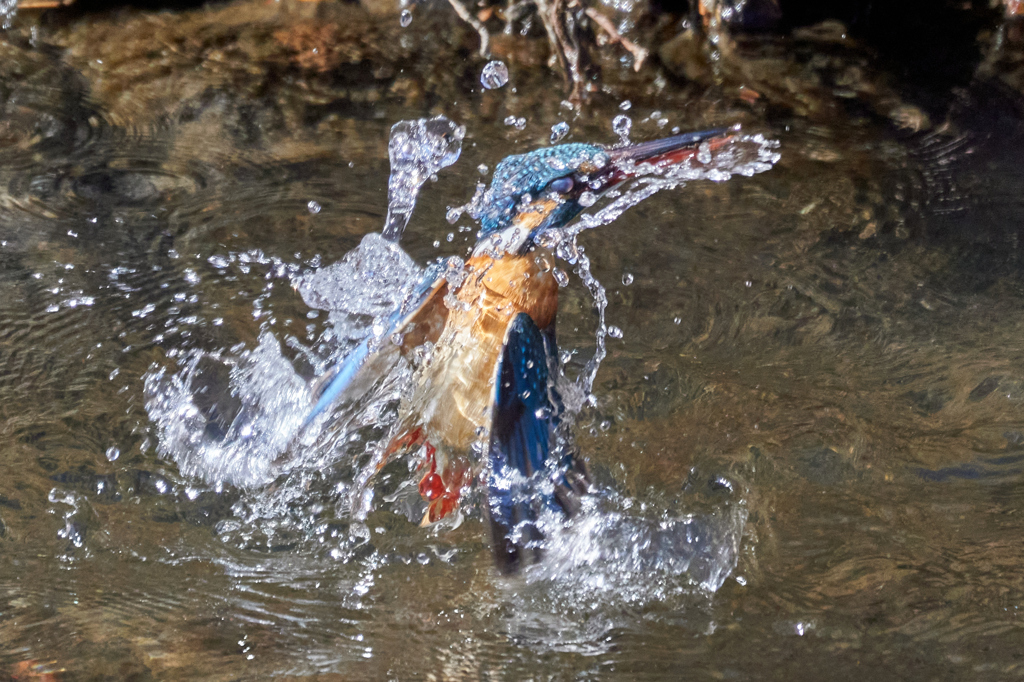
[614,332]
[704,153]
[494,75]
[453,215]
[482,169]
[627,279]
[405,18]
[113,453]
[558,131]
[625,105]
[622,124]
[677,320]
[560,277]
[587,199]
[517,123]
[313,207]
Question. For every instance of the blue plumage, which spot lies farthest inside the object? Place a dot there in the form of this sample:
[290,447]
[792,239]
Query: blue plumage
[522,174]
[522,478]
[349,368]
[529,193]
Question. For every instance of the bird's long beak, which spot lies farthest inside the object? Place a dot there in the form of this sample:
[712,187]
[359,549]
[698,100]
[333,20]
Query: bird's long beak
[635,159]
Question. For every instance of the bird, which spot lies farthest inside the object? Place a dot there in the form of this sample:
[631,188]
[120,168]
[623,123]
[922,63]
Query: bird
[487,377]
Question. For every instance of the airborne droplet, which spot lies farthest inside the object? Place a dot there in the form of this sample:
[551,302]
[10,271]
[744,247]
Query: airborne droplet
[405,18]
[558,131]
[622,124]
[494,75]
[519,123]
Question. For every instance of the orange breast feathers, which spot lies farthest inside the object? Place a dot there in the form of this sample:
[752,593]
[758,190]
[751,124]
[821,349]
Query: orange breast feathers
[452,398]
[520,283]
[449,408]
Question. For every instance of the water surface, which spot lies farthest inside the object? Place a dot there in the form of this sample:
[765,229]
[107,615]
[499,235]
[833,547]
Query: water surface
[827,354]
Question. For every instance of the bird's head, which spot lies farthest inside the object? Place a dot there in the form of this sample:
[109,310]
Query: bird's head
[548,187]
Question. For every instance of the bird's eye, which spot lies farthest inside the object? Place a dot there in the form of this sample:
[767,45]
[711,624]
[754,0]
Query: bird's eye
[561,185]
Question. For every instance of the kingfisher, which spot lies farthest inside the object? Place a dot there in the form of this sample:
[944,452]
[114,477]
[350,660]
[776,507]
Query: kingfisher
[486,378]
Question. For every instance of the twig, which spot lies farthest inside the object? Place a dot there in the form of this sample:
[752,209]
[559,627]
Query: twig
[561,27]
[639,53]
[567,31]
[43,4]
[466,16]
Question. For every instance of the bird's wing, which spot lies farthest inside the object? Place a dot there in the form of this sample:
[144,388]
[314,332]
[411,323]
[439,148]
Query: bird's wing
[523,478]
[428,290]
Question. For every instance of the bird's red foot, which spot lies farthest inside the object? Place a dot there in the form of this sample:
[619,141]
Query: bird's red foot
[441,495]
[442,498]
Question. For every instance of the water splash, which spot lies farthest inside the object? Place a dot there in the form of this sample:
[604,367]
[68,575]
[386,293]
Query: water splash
[744,155]
[363,287]
[228,418]
[235,416]
[8,8]
[619,558]
[417,150]
[579,393]
[632,557]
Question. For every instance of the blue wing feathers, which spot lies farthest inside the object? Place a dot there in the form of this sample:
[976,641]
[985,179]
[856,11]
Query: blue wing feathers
[349,367]
[342,379]
[525,416]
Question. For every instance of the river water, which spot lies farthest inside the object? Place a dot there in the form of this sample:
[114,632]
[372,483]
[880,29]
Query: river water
[818,367]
